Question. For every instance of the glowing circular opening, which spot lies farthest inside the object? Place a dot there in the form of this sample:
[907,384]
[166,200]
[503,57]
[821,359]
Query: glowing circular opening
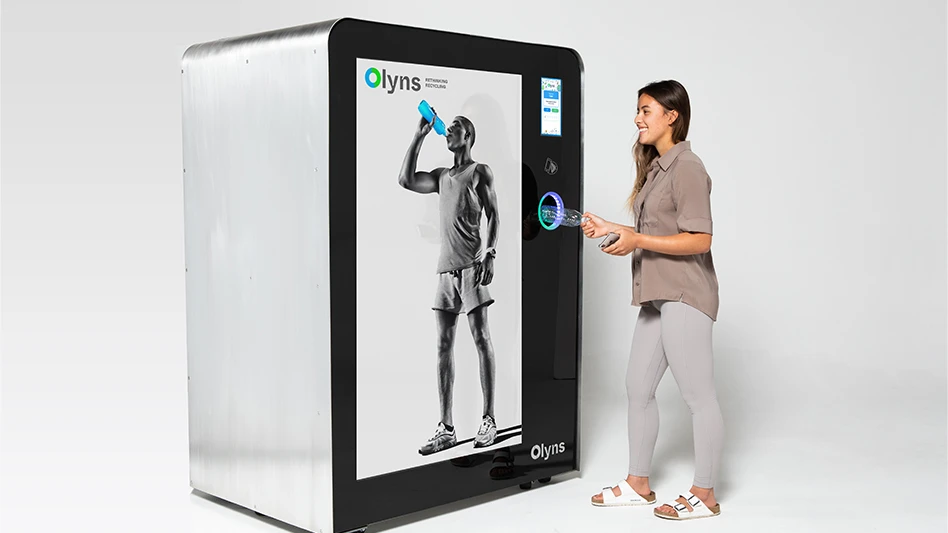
[559,211]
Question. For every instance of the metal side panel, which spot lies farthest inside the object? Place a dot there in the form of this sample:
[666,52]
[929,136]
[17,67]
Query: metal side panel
[255,115]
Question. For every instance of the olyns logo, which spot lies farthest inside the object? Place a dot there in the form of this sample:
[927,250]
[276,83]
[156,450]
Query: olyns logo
[391,82]
[544,451]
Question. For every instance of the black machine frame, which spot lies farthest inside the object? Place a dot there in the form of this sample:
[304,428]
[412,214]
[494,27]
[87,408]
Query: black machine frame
[552,270]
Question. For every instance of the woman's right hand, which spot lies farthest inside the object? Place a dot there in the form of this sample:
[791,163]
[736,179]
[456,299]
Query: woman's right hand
[595,227]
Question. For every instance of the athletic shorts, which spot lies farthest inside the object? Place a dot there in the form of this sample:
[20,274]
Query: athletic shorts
[457,293]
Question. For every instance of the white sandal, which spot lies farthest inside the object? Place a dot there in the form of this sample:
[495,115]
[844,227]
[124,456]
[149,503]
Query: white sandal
[627,498]
[699,509]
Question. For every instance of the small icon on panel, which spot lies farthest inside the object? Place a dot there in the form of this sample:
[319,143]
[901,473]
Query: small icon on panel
[551,166]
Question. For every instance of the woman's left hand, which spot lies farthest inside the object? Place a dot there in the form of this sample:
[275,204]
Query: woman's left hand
[627,243]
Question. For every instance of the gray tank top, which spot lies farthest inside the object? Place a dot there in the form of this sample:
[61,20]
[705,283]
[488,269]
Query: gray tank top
[460,209]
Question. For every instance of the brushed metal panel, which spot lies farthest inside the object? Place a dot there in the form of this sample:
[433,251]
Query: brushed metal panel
[255,156]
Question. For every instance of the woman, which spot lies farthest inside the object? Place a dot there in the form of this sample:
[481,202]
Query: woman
[674,283]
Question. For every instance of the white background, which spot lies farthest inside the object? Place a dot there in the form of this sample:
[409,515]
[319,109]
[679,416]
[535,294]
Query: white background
[823,125]
[397,249]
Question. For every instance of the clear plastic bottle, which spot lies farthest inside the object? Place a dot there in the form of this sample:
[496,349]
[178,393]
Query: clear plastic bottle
[571,217]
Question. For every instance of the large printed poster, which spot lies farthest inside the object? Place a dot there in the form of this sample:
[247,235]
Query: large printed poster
[438,265]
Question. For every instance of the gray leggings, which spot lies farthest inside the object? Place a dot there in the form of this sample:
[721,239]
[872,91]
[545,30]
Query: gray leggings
[674,334]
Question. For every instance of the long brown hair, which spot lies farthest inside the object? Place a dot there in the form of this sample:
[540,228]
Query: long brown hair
[672,96]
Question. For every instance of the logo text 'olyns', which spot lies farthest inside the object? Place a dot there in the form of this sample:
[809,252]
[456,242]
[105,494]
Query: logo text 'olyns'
[391,82]
[544,451]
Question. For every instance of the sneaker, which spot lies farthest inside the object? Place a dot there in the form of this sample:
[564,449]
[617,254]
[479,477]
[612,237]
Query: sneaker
[442,440]
[486,433]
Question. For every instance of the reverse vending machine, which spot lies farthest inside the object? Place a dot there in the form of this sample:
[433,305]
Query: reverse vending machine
[382,268]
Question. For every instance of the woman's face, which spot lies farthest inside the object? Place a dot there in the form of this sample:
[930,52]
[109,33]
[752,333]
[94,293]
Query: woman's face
[652,120]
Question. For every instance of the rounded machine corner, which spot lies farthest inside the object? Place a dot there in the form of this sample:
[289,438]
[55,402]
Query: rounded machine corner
[580,64]
[579,58]
[189,53]
[336,25]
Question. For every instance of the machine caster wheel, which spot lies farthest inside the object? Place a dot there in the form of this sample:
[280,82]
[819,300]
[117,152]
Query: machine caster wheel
[527,485]
[544,480]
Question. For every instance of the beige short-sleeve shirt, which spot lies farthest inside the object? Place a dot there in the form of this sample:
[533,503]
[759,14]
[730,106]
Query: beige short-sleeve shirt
[676,198]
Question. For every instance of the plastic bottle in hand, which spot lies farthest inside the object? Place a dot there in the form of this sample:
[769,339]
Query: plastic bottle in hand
[571,217]
[428,113]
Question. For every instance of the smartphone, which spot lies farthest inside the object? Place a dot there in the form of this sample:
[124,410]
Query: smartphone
[609,240]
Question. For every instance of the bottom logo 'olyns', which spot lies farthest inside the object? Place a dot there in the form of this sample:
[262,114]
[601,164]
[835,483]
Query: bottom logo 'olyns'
[544,451]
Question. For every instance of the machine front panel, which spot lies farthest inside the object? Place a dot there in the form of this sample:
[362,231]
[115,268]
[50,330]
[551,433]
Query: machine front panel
[426,326]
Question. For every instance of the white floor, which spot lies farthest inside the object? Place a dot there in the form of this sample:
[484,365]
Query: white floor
[859,472]
[821,469]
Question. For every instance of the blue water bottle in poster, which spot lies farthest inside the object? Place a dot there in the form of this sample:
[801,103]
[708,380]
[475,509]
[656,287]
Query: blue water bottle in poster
[426,112]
